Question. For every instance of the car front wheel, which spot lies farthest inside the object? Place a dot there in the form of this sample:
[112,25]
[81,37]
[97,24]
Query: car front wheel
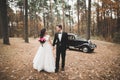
[91,50]
[85,49]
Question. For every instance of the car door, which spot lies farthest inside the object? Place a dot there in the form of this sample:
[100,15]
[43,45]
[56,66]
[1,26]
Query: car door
[71,41]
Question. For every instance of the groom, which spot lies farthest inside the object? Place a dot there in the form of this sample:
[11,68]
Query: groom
[60,40]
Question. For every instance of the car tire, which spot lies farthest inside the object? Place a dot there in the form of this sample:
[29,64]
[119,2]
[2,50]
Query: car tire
[85,49]
[69,48]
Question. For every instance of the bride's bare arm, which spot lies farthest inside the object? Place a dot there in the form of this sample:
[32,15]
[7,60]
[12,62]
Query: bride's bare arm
[50,41]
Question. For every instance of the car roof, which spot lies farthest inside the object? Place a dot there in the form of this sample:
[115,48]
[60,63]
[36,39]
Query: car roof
[71,34]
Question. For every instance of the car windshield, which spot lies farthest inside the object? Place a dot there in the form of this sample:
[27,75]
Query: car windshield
[79,38]
[76,37]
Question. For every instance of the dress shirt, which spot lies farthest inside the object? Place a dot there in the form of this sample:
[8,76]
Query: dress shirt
[60,36]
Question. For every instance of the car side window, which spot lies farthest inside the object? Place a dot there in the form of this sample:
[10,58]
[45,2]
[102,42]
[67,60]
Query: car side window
[71,37]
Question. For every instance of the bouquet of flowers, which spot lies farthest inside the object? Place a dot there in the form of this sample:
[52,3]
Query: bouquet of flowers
[42,40]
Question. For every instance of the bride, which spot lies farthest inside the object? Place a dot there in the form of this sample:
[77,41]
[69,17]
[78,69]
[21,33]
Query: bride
[44,59]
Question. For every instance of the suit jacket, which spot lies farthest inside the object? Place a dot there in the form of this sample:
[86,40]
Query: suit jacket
[63,42]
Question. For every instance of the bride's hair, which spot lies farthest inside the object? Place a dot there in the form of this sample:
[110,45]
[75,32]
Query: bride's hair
[42,33]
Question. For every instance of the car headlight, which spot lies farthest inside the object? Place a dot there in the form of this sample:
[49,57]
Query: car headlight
[89,41]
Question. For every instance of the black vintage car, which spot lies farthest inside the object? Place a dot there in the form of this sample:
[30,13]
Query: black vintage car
[75,42]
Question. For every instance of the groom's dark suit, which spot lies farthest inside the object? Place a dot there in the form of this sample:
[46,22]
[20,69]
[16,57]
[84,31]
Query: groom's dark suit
[60,48]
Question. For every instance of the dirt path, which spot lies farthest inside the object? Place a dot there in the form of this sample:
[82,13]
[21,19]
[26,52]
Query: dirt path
[103,64]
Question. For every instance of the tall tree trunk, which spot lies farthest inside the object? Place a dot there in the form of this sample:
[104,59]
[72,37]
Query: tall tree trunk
[26,21]
[34,29]
[3,6]
[78,4]
[104,26]
[118,19]
[44,21]
[57,22]
[69,21]
[98,28]
[0,23]
[89,20]
[51,17]
[63,16]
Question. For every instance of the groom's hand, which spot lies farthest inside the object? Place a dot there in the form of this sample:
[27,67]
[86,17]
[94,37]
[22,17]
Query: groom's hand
[53,47]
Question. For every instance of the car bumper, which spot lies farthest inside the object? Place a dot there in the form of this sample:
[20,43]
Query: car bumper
[93,46]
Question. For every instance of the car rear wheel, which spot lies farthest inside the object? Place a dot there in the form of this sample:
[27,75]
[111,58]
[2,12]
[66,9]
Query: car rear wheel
[85,49]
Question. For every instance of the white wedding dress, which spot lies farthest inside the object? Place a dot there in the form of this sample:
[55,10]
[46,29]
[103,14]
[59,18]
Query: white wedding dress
[44,59]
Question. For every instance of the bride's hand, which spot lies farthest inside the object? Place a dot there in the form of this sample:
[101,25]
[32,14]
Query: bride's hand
[53,48]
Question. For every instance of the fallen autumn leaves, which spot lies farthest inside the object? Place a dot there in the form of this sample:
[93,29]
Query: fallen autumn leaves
[103,64]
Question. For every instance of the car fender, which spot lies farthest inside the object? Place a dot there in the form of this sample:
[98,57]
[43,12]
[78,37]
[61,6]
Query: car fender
[85,44]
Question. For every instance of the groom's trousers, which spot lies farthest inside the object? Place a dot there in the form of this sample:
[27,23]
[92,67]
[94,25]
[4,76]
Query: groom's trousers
[60,52]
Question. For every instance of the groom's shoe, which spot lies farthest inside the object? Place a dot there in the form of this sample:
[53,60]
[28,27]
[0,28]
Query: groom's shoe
[62,69]
[56,70]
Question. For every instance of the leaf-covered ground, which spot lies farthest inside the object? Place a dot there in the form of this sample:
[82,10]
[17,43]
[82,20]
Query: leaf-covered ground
[103,64]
